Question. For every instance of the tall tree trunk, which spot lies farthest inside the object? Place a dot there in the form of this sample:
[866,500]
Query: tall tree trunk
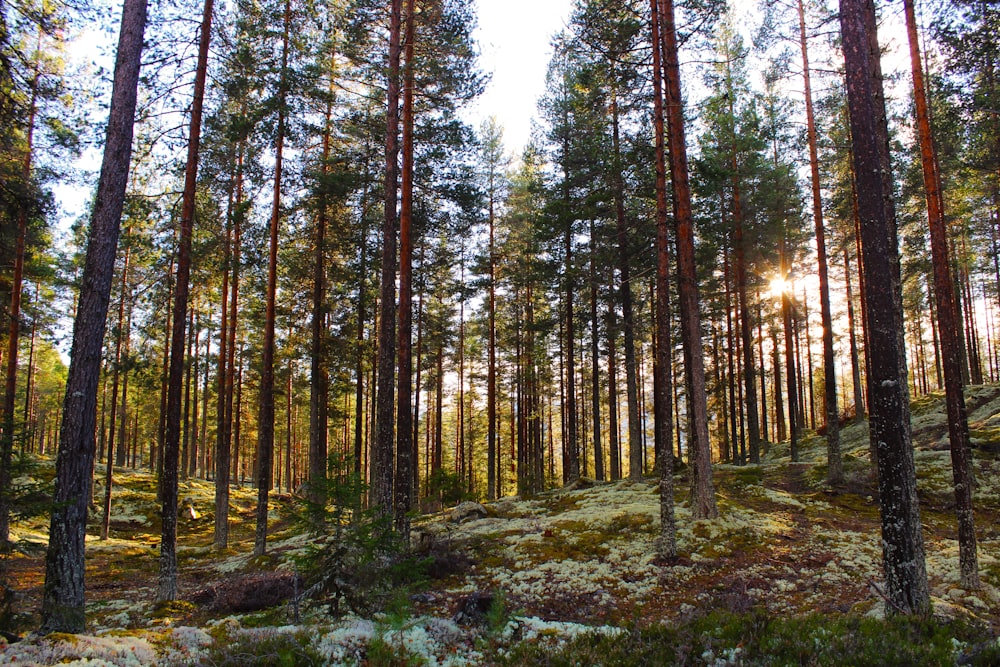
[63,600]
[731,347]
[383,448]
[186,416]
[614,441]
[703,503]
[226,458]
[571,447]
[794,411]
[859,400]
[319,378]
[116,374]
[746,326]
[595,361]
[835,464]
[14,327]
[265,424]
[635,453]
[902,542]
[492,444]
[763,373]
[662,369]
[167,584]
[958,421]
[359,361]
[404,406]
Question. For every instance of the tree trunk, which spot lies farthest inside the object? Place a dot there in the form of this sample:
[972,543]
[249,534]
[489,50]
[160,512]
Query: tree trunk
[595,362]
[835,465]
[14,328]
[746,326]
[492,444]
[571,447]
[404,405]
[383,448]
[265,424]
[859,400]
[662,369]
[63,601]
[958,422]
[116,374]
[167,588]
[225,460]
[614,440]
[703,503]
[319,378]
[902,542]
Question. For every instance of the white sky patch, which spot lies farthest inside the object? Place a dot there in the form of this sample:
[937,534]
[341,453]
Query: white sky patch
[515,41]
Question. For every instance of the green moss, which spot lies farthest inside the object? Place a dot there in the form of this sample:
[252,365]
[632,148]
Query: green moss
[584,546]
[173,609]
[626,523]
[265,650]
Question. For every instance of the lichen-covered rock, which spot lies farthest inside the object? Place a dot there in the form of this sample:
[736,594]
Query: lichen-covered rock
[467,511]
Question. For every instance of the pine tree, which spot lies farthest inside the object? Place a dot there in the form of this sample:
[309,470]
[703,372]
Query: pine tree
[63,601]
[902,542]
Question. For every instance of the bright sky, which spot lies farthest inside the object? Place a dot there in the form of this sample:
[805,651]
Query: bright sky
[514,37]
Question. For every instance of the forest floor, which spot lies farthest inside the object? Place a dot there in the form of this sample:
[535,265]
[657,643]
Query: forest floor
[564,570]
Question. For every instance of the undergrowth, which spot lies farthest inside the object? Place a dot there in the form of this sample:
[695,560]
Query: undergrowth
[757,638]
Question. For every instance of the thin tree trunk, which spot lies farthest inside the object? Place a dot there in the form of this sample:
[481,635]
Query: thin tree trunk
[703,503]
[14,328]
[319,378]
[63,598]
[958,422]
[787,316]
[226,459]
[492,444]
[383,448]
[662,369]
[746,326]
[167,588]
[265,424]
[571,448]
[404,405]
[835,464]
[359,361]
[859,400]
[763,373]
[595,361]
[116,374]
[614,441]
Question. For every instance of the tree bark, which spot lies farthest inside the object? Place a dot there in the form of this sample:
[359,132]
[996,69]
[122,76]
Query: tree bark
[167,588]
[404,406]
[835,464]
[958,421]
[703,503]
[383,448]
[112,417]
[63,600]
[859,400]
[319,378]
[902,543]
[662,369]
[14,328]
[265,424]
[225,462]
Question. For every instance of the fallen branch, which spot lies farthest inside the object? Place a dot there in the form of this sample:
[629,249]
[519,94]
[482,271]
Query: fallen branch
[881,593]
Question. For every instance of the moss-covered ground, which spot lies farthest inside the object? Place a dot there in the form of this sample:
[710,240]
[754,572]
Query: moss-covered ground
[788,574]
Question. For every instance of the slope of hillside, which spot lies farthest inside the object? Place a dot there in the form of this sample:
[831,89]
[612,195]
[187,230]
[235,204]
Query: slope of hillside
[566,563]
